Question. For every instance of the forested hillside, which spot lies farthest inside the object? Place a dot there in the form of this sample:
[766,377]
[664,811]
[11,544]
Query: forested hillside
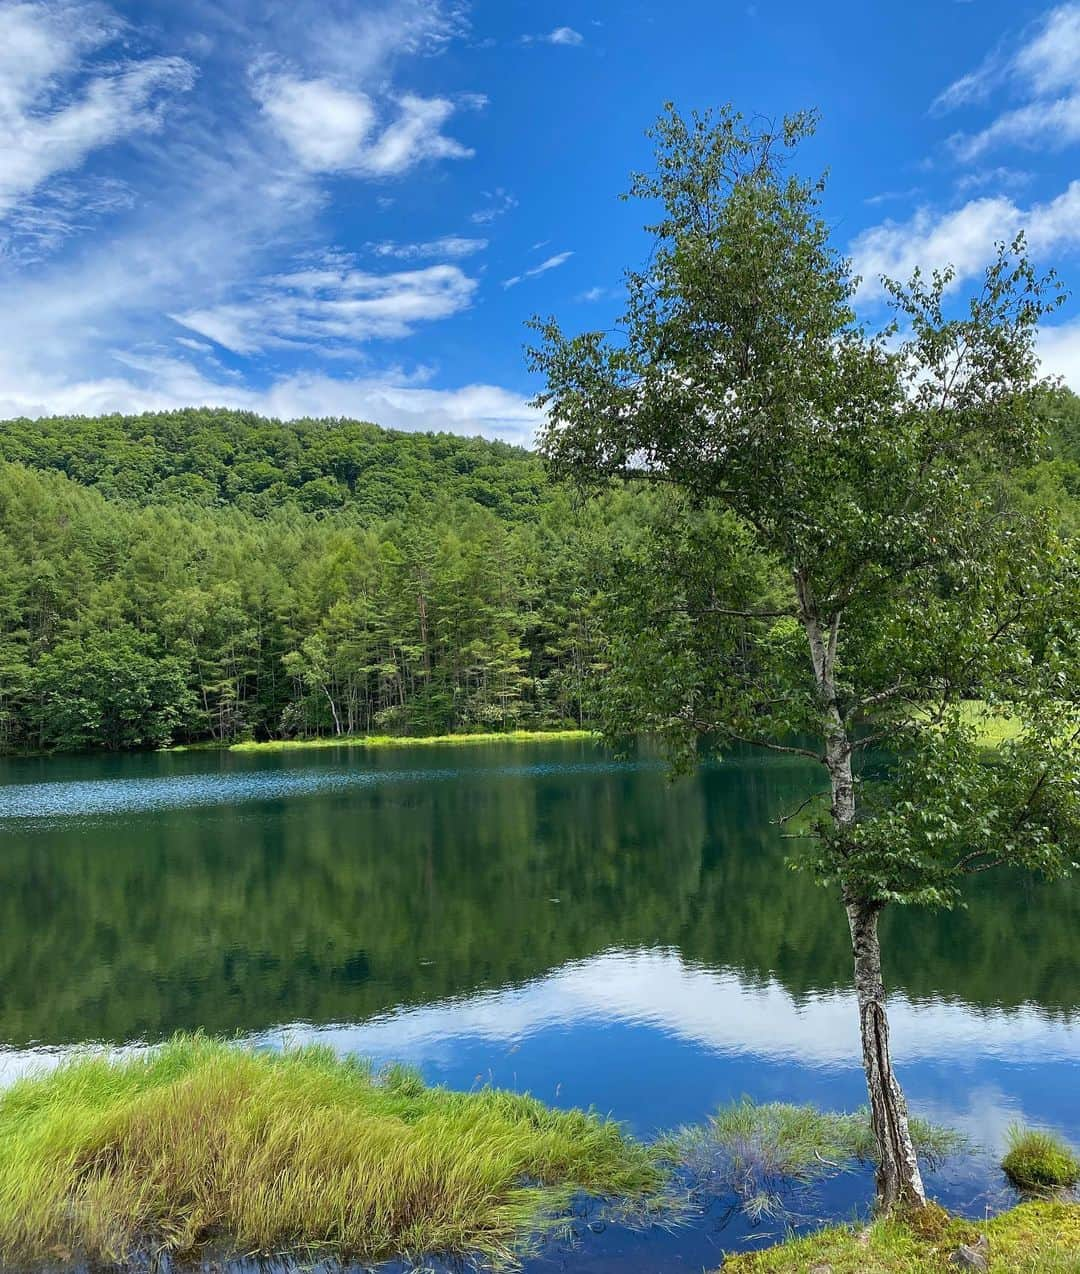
[209,575]
[440,583]
[213,456]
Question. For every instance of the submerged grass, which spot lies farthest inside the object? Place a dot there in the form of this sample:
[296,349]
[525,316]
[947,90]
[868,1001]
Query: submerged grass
[202,1144]
[1034,1238]
[761,1152]
[409,741]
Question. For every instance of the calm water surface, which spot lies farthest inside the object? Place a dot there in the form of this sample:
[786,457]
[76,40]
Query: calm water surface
[541,918]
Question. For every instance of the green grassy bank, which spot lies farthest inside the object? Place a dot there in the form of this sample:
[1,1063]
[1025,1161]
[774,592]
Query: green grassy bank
[1034,1238]
[397,741]
[204,1145]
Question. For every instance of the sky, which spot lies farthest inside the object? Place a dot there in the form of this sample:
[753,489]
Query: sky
[352,207]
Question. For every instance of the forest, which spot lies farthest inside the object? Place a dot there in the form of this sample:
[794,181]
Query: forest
[211,576]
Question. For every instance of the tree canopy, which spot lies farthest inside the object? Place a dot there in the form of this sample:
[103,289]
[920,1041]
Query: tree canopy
[843,565]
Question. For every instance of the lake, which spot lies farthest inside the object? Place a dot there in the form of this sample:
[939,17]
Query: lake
[540,917]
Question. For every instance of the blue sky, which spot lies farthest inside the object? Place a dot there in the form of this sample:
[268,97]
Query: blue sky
[350,207]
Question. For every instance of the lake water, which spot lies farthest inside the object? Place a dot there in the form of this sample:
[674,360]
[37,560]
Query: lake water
[537,917]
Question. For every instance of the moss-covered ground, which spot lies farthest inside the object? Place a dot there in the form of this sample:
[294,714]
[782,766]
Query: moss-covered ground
[1035,1238]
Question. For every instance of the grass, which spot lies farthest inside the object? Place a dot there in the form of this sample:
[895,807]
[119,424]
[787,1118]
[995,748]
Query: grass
[992,728]
[409,741]
[761,1152]
[1034,1238]
[208,1146]
[1039,1160]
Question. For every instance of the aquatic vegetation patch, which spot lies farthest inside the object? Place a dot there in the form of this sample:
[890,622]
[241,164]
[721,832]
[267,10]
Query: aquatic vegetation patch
[205,1145]
[1038,1160]
[763,1153]
[1034,1238]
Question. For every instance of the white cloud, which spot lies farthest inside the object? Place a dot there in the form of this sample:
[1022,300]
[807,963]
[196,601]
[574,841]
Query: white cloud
[49,125]
[415,135]
[159,383]
[39,224]
[332,308]
[1045,71]
[964,239]
[89,332]
[1053,124]
[565,36]
[499,202]
[453,247]
[1059,350]
[332,129]
[325,126]
[552,263]
[1051,60]
[1001,177]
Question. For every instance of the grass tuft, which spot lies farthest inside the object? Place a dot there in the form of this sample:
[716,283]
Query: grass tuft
[1039,1161]
[761,1152]
[203,1145]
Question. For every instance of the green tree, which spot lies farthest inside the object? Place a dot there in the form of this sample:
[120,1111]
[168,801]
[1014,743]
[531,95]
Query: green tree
[111,690]
[835,574]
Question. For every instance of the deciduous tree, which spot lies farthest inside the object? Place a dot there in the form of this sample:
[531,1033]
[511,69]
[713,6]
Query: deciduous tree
[837,576]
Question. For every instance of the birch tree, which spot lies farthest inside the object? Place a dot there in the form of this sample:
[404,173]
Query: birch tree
[855,472]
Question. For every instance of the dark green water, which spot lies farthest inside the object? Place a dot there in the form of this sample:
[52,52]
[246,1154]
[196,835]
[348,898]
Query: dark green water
[543,917]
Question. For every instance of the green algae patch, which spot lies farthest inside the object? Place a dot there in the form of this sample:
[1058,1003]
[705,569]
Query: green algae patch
[1034,1238]
[419,741]
[202,1145]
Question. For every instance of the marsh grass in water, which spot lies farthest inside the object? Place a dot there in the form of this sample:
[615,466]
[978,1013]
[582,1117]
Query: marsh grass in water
[1038,1160]
[202,1145]
[764,1153]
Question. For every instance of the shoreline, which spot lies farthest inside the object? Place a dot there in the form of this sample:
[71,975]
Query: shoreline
[379,741]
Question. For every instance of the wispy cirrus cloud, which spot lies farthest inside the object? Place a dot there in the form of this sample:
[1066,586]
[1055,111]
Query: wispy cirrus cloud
[332,307]
[1043,72]
[198,226]
[449,247]
[551,263]
[499,203]
[57,106]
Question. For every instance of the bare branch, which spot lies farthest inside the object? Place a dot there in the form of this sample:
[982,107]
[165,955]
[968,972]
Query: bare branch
[786,818]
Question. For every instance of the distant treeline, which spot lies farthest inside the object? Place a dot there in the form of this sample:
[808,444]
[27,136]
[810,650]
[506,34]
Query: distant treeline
[210,575]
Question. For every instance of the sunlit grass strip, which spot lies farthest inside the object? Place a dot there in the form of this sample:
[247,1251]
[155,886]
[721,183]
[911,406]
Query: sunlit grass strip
[409,741]
[992,728]
[761,1152]
[207,1145]
[1035,1238]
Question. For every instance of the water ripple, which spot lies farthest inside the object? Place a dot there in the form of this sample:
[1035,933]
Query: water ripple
[108,796]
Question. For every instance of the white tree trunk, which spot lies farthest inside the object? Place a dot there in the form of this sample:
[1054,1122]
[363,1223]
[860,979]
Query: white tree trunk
[899,1181]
